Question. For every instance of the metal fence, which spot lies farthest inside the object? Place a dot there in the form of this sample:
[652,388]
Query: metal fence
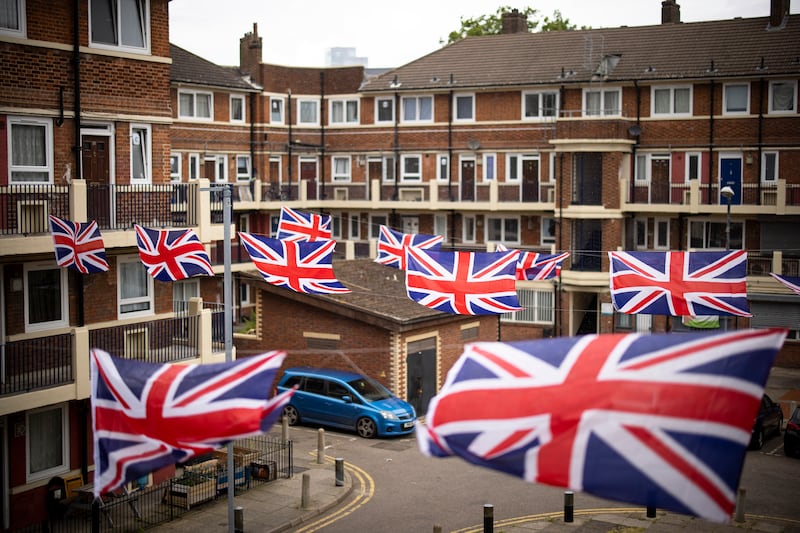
[38,363]
[158,341]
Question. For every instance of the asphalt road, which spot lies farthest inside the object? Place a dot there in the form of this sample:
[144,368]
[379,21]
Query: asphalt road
[402,490]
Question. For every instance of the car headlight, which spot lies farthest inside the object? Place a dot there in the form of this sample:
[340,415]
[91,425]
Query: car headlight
[388,415]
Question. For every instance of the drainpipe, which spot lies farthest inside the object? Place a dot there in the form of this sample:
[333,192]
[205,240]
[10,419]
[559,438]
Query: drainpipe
[450,146]
[711,144]
[762,84]
[253,167]
[322,131]
[396,144]
[289,144]
[560,233]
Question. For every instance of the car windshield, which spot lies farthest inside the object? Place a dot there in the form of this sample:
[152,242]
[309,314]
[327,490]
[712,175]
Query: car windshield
[369,389]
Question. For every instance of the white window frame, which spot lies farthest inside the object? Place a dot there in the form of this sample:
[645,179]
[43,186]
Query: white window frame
[772,85]
[544,230]
[194,166]
[346,175]
[602,110]
[539,113]
[416,118]
[440,224]
[648,158]
[410,177]
[47,126]
[336,226]
[244,293]
[766,178]
[308,103]
[443,168]
[192,114]
[468,229]
[687,173]
[276,110]
[61,441]
[551,171]
[379,104]
[147,161]
[541,312]
[706,223]
[671,89]
[471,113]
[240,98]
[725,99]
[376,220]
[63,321]
[354,226]
[388,169]
[145,13]
[344,104]
[489,167]
[279,160]
[21,30]
[246,175]
[504,238]
[513,167]
[146,299]
[221,168]
[175,167]
[657,243]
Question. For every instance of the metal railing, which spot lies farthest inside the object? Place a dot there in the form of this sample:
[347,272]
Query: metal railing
[158,341]
[33,364]
[24,208]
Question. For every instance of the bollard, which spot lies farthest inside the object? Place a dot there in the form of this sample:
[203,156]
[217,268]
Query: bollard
[569,502]
[320,446]
[305,494]
[437,528]
[488,518]
[284,429]
[339,470]
[651,511]
[238,519]
[739,512]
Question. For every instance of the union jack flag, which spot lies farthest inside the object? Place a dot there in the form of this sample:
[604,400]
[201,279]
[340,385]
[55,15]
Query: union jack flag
[463,283]
[78,245]
[790,282]
[146,416]
[172,255]
[534,266]
[392,246]
[294,265]
[300,226]
[613,415]
[679,283]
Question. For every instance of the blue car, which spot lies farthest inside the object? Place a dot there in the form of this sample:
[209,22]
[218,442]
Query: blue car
[345,400]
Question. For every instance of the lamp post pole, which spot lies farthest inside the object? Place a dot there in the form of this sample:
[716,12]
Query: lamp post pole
[727,193]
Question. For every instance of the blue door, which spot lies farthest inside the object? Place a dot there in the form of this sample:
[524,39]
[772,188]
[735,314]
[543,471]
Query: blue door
[730,175]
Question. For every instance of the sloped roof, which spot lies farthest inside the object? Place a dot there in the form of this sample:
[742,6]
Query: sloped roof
[189,68]
[646,53]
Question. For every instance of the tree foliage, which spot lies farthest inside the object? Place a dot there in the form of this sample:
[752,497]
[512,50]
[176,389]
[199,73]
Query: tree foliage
[493,24]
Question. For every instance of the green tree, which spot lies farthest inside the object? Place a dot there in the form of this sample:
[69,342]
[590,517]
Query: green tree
[493,24]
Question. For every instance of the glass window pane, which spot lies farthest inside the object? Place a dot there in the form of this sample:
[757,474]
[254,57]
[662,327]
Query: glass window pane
[611,103]
[132,23]
[409,109]
[385,107]
[28,145]
[308,112]
[463,107]
[511,230]
[494,229]
[592,103]
[426,108]
[134,280]
[549,105]
[736,98]
[104,21]
[782,96]
[352,111]
[9,15]
[138,154]
[236,109]
[662,100]
[44,296]
[186,105]
[531,105]
[337,112]
[204,105]
[46,440]
[682,100]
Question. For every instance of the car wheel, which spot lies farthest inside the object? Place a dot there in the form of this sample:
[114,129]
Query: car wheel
[291,414]
[759,441]
[780,426]
[366,428]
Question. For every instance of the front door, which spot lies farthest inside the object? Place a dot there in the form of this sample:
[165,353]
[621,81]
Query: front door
[530,180]
[96,169]
[730,175]
[410,225]
[421,374]
[308,173]
[468,180]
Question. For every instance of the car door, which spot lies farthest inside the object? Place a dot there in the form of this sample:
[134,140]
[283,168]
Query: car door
[310,400]
[341,413]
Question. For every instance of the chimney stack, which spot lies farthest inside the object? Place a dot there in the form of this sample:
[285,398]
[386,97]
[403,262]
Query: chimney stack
[778,12]
[670,12]
[250,52]
[514,22]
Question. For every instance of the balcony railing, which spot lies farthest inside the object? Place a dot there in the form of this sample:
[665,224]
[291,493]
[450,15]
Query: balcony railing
[665,193]
[158,341]
[24,208]
[33,364]
[159,205]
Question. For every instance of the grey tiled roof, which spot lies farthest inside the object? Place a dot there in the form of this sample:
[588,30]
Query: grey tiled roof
[646,53]
[189,68]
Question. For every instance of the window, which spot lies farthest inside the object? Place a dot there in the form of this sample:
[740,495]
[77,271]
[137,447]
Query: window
[242,168]
[336,226]
[384,110]
[602,103]
[769,167]
[355,227]
[45,294]
[309,112]
[120,24]
[692,166]
[412,168]
[672,101]
[30,147]
[443,168]
[468,229]
[440,225]
[237,108]
[538,105]
[644,165]
[417,108]
[548,229]
[47,442]
[783,97]
[175,167]
[651,233]
[341,168]
[489,167]
[551,174]
[182,292]
[464,107]
[221,169]
[705,234]
[135,287]
[513,167]
[195,104]
[244,293]
[276,110]
[12,18]
[140,154]
[736,99]
[375,223]
[538,306]
[661,234]
[344,111]
[194,166]
[388,169]
[504,230]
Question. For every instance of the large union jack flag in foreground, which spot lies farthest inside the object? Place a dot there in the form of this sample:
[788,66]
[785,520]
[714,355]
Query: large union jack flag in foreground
[662,420]
[301,226]
[680,283]
[172,255]
[533,266]
[147,416]
[78,245]
[788,281]
[392,246]
[463,283]
[297,266]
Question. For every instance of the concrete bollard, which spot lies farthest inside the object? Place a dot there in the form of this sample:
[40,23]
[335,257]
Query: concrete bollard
[437,528]
[305,494]
[238,520]
[488,518]
[339,471]
[284,429]
[651,511]
[569,506]
[320,446]
[739,512]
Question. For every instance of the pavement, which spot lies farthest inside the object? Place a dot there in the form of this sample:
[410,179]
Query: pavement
[298,503]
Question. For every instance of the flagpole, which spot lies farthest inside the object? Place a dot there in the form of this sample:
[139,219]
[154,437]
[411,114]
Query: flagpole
[227,288]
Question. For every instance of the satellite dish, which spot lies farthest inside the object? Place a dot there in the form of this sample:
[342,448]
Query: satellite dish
[473,144]
[635,130]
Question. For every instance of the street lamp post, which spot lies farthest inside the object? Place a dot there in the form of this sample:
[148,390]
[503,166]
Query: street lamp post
[727,193]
